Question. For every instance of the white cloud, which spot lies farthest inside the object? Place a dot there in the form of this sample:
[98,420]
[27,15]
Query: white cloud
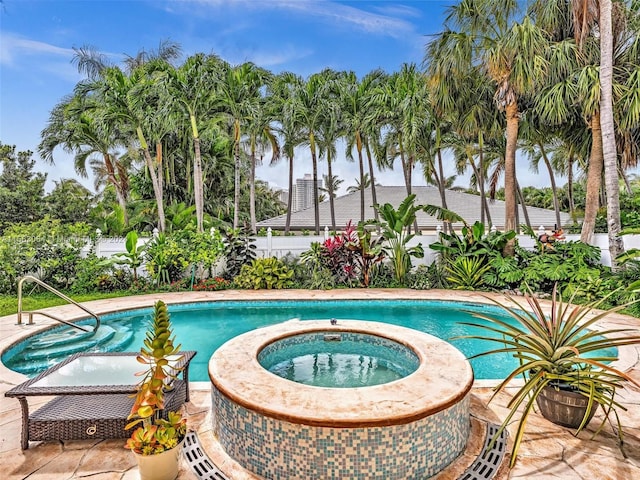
[331,12]
[274,57]
[14,46]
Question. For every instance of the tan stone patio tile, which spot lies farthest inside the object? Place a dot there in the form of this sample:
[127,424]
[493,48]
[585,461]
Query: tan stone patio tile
[20,464]
[93,461]
[541,468]
[601,467]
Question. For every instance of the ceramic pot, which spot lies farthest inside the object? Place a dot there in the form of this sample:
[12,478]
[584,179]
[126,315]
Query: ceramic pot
[564,407]
[161,466]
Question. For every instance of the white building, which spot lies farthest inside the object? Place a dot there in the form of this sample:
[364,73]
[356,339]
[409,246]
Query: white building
[303,193]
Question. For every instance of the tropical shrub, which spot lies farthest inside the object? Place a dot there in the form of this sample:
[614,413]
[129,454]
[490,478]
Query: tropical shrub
[166,259]
[133,257]
[265,273]
[473,241]
[47,248]
[566,264]
[310,271]
[212,284]
[395,231]
[425,277]
[467,273]
[202,250]
[239,250]
[350,256]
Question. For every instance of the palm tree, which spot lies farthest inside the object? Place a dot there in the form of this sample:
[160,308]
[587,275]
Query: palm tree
[594,88]
[612,185]
[513,55]
[309,107]
[356,107]
[238,92]
[188,93]
[76,126]
[281,94]
[261,138]
[130,103]
[361,184]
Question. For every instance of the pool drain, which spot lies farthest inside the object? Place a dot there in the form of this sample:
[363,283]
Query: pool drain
[199,461]
[486,465]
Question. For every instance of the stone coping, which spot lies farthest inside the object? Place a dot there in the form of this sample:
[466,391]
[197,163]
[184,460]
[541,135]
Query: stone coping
[443,378]
[12,333]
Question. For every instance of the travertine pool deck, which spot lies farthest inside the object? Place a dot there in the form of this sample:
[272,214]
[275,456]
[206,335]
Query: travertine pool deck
[547,452]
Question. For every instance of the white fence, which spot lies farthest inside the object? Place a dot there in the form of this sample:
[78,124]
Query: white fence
[277,246]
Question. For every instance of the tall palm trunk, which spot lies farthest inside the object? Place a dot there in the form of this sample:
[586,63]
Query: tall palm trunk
[483,195]
[287,224]
[198,189]
[405,170]
[572,205]
[330,190]
[314,161]
[616,245]
[252,189]
[236,174]
[120,193]
[361,166]
[442,190]
[510,193]
[374,196]
[155,172]
[525,212]
[552,179]
[594,176]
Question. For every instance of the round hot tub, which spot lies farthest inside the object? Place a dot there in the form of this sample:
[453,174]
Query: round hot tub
[410,425]
[338,360]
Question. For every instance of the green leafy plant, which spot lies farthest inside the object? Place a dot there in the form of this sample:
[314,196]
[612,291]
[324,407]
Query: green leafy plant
[467,273]
[133,257]
[395,231]
[166,259]
[310,271]
[367,253]
[560,351]
[239,250]
[265,273]
[155,434]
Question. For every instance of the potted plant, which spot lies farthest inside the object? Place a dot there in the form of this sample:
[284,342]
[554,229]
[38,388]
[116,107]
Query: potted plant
[156,440]
[564,362]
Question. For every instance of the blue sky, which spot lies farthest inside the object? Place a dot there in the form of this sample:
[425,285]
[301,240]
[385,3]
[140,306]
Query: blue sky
[37,38]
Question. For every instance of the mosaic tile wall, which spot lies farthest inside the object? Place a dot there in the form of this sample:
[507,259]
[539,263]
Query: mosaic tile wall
[275,449]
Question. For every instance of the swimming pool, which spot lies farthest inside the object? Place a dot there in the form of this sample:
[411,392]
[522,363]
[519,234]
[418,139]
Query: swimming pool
[205,326]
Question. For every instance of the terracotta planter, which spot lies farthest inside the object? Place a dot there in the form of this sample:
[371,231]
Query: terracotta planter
[161,466]
[564,407]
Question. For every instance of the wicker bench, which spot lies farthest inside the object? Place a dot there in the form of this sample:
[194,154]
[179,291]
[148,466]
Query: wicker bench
[82,412]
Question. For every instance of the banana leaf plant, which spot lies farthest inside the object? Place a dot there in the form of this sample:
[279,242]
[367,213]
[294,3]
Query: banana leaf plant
[395,231]
[561,350]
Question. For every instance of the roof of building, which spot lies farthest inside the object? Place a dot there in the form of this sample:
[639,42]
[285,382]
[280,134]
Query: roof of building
[347,208]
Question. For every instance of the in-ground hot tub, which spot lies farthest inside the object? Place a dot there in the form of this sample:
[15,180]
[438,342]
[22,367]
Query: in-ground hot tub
[410,427]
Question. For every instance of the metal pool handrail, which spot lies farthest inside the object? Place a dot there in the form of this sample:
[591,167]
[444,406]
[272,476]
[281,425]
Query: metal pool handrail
[59,294]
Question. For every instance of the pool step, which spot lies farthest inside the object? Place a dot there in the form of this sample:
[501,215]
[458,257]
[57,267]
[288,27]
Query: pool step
[102,336]
[46,352]
[57,338]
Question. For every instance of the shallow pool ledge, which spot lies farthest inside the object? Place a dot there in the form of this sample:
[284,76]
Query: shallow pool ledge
[409,428]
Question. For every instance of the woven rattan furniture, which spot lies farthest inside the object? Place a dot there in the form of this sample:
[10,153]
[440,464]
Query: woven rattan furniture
[93,396]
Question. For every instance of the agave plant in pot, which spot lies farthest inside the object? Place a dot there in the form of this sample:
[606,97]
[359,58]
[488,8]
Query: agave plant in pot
[159,434]
[564,360]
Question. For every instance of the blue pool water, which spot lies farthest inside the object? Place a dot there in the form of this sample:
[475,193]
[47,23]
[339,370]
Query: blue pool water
[206,326]
[338,360]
